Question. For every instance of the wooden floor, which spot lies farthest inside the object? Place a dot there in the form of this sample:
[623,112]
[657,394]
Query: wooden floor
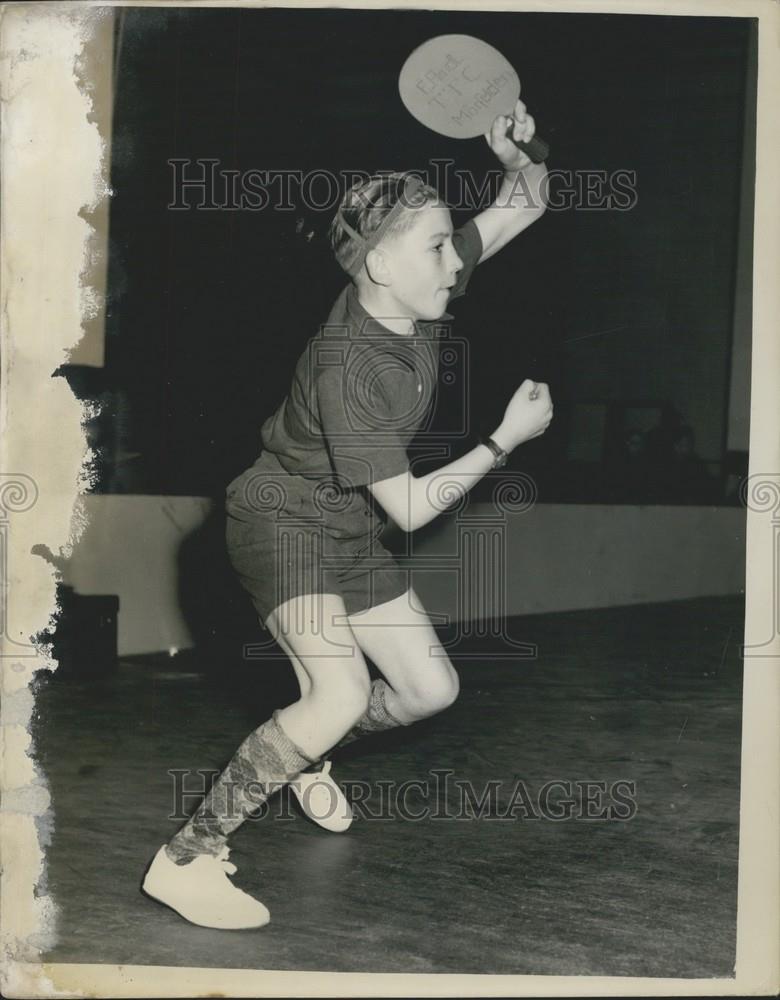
[648,694]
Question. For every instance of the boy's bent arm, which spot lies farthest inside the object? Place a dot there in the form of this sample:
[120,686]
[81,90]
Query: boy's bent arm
[413,501]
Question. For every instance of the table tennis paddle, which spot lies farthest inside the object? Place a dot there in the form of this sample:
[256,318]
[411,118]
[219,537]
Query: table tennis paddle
[457,84]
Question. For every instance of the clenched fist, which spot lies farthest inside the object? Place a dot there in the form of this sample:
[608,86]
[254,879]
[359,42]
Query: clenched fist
[527,415]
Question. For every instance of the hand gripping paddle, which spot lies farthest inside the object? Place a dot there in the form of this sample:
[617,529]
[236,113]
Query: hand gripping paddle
[457,84]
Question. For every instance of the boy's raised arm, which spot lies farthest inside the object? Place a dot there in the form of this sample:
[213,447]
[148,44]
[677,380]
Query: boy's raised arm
[521,198]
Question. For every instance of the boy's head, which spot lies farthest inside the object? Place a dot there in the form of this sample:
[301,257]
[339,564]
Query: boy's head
[394,231]
[374,211]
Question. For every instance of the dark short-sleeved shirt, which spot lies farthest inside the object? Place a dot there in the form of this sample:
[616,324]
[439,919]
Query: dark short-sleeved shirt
[359,395]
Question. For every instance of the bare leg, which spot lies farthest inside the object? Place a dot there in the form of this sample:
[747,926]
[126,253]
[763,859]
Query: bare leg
[327,653]
[400,640]
[333,673]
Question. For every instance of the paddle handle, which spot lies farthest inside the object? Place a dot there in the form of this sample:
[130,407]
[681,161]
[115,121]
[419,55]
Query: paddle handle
[537,149]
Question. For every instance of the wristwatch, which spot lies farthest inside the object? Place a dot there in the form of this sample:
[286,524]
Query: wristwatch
[499,455]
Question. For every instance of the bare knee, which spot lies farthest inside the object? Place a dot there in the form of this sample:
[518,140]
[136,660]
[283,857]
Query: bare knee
[432,694]
[342,697]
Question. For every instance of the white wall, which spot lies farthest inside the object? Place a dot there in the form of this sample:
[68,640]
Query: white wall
[562,557]
[130,548]
[558,557]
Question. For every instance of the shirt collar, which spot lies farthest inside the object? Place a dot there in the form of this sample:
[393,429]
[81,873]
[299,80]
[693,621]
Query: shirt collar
[369,325]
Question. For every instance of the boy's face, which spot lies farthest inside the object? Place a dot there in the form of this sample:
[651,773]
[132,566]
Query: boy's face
[422,264]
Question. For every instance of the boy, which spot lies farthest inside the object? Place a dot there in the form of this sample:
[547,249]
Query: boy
[303,526]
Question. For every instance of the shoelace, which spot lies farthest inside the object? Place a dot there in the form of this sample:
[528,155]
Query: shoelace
[311,777]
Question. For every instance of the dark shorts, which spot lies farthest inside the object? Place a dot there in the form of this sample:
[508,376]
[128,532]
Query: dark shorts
[288,552]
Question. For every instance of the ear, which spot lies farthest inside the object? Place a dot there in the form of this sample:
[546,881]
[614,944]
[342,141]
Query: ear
[377,267]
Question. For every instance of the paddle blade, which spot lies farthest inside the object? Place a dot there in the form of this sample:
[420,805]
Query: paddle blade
[457,84]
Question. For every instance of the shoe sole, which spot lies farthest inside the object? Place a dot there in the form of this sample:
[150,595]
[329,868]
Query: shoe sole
[195,923]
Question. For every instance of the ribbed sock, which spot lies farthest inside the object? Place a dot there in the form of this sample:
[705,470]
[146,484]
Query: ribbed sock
[376,718]
[265,760]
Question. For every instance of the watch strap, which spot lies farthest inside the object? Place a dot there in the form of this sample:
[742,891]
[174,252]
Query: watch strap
[499,455]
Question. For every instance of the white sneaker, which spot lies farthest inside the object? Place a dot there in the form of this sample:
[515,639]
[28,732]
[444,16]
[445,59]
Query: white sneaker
[322,800]
[202,893]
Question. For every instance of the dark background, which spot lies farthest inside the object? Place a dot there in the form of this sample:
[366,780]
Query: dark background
[627,314]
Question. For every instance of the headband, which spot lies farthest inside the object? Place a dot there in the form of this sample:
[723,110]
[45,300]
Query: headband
[411,187]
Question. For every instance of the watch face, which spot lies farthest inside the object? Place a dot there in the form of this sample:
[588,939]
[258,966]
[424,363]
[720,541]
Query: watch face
[499,455]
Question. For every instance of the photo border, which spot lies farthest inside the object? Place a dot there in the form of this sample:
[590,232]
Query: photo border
[49,263]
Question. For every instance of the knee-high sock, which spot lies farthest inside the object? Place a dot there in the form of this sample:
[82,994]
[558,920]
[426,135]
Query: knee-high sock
[265,760]
[376,718]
